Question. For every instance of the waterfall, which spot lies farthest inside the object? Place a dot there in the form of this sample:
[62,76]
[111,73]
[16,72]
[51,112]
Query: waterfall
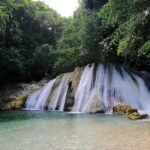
[31,101]
[84,88]
[99,89]
[40,99]
[113,86]
[59,95]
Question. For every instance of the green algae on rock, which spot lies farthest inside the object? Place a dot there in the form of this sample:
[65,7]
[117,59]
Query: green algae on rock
[136,116]
[130,112]
[121,109]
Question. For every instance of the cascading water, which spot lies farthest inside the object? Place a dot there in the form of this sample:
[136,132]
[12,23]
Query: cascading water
[59,95]
[112,87]
[84,88]
[39,100]
[100,88]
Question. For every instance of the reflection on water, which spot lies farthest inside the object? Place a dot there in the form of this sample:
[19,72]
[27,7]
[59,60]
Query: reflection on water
[61,131]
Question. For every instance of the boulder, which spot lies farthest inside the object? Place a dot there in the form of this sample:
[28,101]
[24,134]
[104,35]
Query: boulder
[136,115]
[129,111]
[122,109]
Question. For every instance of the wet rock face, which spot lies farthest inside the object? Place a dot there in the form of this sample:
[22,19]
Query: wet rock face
[69,102]
[75,79]
[72,86]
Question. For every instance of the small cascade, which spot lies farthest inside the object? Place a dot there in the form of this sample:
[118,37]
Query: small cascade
[31,101]
[59,95]
[50,96]
[98,89]
[83,91]
[38,100]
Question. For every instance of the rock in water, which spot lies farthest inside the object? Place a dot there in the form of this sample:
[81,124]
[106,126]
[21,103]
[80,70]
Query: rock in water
[121,109]
[129,111]
[136,116]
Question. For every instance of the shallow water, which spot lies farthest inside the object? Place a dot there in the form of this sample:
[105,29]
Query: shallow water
[24,130]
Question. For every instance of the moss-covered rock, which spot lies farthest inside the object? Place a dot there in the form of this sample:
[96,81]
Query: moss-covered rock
[131,110]
[122,109]
[15,103]
[136,115]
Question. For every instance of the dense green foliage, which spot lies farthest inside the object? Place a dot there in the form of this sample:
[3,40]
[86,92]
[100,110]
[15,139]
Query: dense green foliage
[25,28]
[108,30]
[35,40]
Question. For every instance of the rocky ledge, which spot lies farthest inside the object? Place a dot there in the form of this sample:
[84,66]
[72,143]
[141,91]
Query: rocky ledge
[14,96]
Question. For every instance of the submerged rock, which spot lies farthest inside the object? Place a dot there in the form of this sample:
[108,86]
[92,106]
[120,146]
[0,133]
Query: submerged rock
[136,115]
